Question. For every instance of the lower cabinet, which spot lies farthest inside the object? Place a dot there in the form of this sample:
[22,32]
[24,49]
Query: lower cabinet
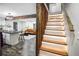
[10,39]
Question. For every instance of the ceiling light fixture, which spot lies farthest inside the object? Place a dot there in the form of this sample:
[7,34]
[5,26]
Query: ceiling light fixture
[9,17]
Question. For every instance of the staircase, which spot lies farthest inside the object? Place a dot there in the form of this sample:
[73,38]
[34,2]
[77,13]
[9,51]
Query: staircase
[54,40]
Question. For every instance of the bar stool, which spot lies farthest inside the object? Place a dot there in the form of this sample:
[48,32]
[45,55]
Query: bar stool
[21,38]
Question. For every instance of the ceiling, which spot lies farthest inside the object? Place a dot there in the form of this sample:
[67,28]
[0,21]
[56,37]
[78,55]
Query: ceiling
[17,9]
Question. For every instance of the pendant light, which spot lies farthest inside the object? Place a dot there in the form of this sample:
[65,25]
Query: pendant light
[9,17]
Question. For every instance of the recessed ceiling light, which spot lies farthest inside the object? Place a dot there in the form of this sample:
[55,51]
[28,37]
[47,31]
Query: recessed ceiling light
[9,13]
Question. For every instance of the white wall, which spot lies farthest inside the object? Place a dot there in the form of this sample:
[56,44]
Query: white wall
[73,12]
[26,23]
[2,21]
[54,7]
[17,8]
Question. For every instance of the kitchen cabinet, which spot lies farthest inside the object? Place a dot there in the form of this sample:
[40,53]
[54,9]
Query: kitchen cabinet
[10,37]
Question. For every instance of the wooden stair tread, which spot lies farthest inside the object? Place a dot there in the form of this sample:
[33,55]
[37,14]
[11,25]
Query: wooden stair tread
[56,14]
[54,19]
[53,45]
[60,41]
[60,17]
[45,53]
[54,50]
[56,35]
[54,32]
[55,27]
[55,23]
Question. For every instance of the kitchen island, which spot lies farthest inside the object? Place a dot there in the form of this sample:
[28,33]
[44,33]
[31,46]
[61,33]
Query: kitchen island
[10,37]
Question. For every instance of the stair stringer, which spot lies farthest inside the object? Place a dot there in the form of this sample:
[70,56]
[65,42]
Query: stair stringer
[67,32]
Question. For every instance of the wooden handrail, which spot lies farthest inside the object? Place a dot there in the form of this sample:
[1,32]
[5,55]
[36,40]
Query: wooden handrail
[42,17]
[70,24]
[68,19]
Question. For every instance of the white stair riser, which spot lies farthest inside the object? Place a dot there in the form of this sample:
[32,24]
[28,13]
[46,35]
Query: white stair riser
[52,45]
[55,27]
[55,23]
[54,32]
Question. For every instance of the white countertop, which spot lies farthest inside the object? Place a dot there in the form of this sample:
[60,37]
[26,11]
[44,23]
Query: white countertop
[10,32]
[29,37]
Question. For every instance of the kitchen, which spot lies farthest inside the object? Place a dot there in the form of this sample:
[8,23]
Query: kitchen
[18,28]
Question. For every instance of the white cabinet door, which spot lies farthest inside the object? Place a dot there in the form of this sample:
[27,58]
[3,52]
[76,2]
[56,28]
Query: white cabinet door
[14,38]
[7,38]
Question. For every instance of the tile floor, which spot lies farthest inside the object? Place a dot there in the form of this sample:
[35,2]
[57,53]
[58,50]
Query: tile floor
[12,50]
